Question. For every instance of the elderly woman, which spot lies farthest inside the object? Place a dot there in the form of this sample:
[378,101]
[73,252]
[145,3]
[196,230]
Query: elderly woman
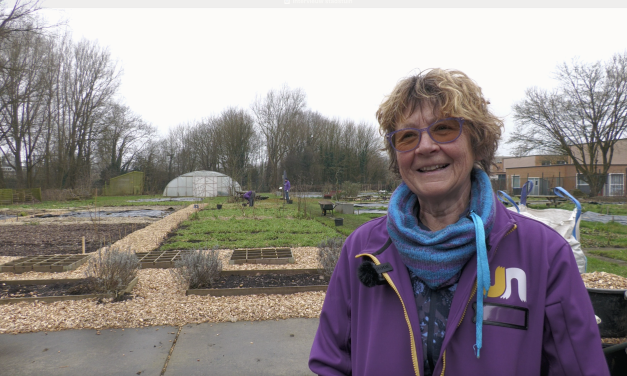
[450,282]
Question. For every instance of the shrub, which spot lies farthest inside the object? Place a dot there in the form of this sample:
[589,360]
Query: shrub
[328,253]
[198,269]
[577,193]
[349,189]
[112,269]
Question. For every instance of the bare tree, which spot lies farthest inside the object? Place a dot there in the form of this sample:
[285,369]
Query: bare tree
[89,79]
[301,159]
[154,164]
[179,147]
[15,21]
[583,118]
[124,134]
[367,143]
[12,19]
[235,135]
[204,144]
[23,104]
[275,115]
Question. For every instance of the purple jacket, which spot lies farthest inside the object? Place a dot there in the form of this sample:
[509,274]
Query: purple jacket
[287,185]
[538,319]
[247,195]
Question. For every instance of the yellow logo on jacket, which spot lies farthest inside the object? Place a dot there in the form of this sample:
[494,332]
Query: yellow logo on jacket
[503,283]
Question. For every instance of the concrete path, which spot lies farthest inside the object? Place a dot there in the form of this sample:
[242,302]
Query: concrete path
[241,348]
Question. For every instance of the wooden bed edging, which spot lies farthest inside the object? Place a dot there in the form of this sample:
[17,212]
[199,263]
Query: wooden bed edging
[270,271]
[257,290]
[50,299]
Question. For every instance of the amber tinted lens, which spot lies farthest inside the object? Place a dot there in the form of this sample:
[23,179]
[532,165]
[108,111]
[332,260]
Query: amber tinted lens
[445,130]
[406,139]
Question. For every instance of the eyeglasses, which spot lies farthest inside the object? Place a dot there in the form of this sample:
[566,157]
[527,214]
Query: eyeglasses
[442,131]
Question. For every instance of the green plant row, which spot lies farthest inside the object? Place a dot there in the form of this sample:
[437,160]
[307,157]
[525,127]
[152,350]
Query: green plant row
[270,223]
[596,265]
[603,235]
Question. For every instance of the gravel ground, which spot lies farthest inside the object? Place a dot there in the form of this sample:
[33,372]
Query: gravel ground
[158,300]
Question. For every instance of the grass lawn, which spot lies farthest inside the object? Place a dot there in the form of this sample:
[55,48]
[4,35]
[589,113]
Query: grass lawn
[603,235]
[596,265]
[270,223]
[617,254]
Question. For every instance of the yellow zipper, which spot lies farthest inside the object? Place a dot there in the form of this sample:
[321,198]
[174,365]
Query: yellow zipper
[472,293]
[414,354]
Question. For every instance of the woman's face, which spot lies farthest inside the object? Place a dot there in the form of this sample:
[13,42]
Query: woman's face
[436,172]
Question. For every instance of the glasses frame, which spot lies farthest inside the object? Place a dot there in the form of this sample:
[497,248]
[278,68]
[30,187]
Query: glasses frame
[389,136]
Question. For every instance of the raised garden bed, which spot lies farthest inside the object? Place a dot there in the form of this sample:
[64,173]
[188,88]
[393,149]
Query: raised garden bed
[159,259]
[51,290]
[251,282]
[262,256]
[45,264]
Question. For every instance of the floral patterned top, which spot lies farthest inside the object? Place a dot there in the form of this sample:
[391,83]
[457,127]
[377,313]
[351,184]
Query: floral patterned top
[433,308]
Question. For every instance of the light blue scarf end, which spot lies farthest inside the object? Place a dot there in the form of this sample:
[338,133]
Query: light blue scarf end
[483,279]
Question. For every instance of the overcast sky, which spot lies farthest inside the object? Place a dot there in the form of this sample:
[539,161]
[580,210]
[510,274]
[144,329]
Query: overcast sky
[182,64]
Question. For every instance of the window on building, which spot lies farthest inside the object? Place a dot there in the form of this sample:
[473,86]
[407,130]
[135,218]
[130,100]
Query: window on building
[582,185]
[515,181]
[560,162]
[515,184]
[614,185]
[546,163]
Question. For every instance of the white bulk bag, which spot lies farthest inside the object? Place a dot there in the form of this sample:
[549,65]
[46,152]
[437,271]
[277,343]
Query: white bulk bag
[565,222]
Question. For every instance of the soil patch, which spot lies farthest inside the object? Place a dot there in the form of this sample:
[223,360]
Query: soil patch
[268,280]
[33,240]
[81,287]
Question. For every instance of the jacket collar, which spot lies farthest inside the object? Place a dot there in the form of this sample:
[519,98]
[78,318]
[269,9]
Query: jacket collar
[504,222]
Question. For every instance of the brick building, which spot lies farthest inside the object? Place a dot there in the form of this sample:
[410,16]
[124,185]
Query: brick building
[550,171]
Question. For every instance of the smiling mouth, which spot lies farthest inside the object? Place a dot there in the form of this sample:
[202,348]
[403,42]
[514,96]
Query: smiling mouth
[432,168]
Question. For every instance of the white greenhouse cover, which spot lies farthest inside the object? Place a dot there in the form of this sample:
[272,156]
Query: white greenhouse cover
[201,184]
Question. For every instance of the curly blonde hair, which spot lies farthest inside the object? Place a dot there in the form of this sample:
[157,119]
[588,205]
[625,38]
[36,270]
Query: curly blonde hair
[450,93]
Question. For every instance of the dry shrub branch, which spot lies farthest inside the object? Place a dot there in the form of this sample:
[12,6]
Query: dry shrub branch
[329,252]
[198,269]
[112,269]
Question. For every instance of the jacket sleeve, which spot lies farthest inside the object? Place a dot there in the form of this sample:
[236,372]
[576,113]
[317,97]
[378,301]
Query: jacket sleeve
[330,353]
[571,340]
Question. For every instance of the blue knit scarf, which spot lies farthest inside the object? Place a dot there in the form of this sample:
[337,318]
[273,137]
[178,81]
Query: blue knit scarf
[437,257]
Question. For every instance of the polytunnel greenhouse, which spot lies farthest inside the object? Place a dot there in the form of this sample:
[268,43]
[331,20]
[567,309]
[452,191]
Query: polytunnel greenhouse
[201,184]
